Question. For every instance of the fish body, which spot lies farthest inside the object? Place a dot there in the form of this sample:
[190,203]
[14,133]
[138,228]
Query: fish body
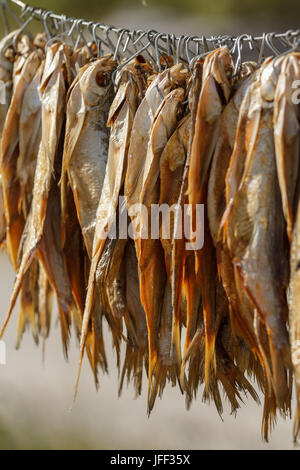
[286,135]
[30,134]
[52,93]
[256,227]
[152,272]
[86,141]
[10,151]
[215,93]
[6,71]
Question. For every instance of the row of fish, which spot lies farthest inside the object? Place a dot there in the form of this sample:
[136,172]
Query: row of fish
[220,316]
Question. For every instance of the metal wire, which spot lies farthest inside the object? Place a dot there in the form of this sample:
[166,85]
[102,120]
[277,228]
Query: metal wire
[202,44]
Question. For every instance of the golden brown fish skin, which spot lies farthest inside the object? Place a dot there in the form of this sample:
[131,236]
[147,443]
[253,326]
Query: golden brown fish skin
[215,93]
[286,121]
[86,141]
[132,84]
[120,120]
[24,48]
[241,316]
[80,58]
[136,350]
[27,310]
[30,134]
[217,69]
[130,92]
[10,150]
[242,313]
[96,260]
[294,308]
[45,302]
[2,217]
[171,173]
[50,253]
[216,201]
[260,230]
[286,135]
[152,273]
[178,249]
[53,92]
[158,89]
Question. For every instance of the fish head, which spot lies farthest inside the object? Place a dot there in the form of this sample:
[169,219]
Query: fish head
[96,84]
[220,66]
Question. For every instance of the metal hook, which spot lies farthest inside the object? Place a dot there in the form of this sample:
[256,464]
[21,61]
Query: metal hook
[109,42]
[269,41]
[4,17]
[31,11]
[262,48]
[45,15]
[178,48]
[187,51]
[136,54]
[205,44]
[159,56]
[239,45]
[196,58]
[80,34]
[116,53]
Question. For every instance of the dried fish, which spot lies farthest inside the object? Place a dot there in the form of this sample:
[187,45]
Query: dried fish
[286,135]
[10,151]
[255,228]
[6,70]
[86,141]
[53,91]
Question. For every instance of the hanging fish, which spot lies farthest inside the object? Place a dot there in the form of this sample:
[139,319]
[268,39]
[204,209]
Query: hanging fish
[215,93]
[6,70]
[86,141]
[136,350]
[286,135]
[30,134]
[52,92]
[152,271]
[286,121]
[180,258]
[10,151]
[255,228]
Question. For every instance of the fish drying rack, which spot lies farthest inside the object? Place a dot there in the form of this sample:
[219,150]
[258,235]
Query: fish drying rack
[126,44]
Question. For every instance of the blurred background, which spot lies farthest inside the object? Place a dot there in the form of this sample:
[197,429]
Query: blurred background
[34,397]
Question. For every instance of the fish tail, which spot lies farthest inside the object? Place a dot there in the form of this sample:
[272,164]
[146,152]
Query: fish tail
[210,358]
[193,299]
[26,314]
[88,347]
[296,425]
[78,376]
[279,374]
[151,368]
[13,300]
[65,330]
[84,330]
[159,375]
[176,341]
[13,239]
